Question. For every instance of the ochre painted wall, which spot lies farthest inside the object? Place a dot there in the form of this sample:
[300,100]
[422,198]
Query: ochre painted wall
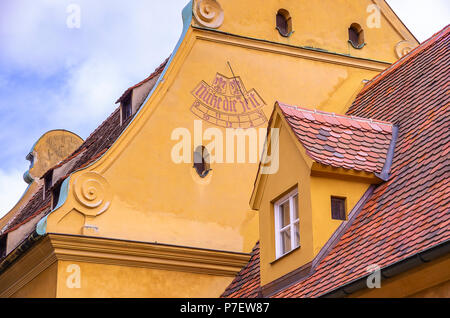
[42,286]
[322,189]
[100,280]
[428,280]
[439,291]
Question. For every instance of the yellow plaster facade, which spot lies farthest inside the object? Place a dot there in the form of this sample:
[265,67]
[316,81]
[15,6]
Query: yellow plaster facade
[430,280]
[135,192]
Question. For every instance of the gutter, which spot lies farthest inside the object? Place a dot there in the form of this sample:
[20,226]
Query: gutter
[395,269]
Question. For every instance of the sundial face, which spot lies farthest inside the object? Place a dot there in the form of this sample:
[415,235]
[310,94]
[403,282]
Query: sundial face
[227,103]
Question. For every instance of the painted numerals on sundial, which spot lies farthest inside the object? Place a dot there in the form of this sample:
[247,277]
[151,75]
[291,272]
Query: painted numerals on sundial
[228,104]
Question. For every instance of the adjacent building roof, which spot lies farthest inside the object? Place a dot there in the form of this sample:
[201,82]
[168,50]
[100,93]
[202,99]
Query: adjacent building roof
[409,213]
[341,141]
[92,148]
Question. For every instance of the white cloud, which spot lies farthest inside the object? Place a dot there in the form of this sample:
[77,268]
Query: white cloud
[12,187]
[71,78]
[52,76]
[422,18]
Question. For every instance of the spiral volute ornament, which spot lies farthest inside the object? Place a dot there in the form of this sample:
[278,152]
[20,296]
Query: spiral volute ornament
[404,47]
[92,193]
[208,13]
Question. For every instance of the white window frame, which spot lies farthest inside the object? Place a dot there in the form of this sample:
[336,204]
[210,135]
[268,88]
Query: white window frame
[292,223]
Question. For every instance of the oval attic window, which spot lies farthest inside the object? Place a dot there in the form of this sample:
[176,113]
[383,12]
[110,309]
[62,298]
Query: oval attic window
[201,161]
[284,22]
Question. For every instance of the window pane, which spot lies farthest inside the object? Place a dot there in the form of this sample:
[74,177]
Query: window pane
[286,240]
[282,24]
[338,208]
[297,235]
[295,199]
[284,214]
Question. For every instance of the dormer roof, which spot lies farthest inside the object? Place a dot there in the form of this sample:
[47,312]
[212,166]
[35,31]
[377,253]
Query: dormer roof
[339,141]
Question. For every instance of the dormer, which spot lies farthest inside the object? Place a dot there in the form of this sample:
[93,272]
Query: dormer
[328,167]
[133,98]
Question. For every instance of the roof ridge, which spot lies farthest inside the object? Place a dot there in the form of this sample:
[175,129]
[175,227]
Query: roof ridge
[156,72]
[420,48]
[334,115]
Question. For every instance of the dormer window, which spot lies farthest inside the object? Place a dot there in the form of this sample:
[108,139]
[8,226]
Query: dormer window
[55,195]
[287,233]
[48,179]
[126,108]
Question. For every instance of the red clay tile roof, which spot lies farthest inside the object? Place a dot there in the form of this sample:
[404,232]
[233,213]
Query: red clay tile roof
[246,284]
[409,213]
[91,149]
[157,72]
[341,141]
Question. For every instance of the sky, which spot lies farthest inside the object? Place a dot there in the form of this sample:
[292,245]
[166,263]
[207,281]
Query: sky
[58,71]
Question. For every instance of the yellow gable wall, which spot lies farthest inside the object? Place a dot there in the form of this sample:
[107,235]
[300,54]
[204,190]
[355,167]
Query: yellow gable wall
[44,285]
[154,199]
[320,24]
[147,197]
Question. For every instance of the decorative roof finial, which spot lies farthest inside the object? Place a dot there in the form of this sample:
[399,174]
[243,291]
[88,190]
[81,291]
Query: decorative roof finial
[208,13]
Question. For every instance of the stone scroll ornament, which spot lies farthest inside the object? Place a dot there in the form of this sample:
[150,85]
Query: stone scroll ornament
[92,193]
[404,47]
[208,13]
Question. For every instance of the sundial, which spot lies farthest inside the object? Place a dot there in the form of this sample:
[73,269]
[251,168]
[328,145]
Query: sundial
[227,103]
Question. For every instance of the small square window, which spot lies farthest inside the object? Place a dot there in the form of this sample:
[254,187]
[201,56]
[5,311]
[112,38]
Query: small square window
[287,233]
[338,208]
